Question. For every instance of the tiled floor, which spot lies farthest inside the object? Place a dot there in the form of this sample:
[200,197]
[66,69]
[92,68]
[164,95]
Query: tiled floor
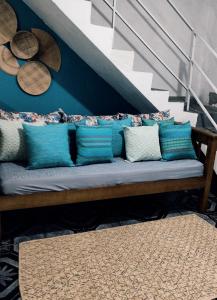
[41,223]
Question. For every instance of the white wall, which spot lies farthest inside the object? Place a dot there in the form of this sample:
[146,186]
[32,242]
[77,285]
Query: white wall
[202,14]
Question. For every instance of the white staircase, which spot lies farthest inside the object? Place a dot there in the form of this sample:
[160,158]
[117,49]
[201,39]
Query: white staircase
[71,20]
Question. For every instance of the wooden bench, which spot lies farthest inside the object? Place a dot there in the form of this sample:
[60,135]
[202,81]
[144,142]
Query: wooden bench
[199,137]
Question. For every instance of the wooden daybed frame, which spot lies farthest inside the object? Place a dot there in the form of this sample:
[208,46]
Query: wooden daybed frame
[199,137]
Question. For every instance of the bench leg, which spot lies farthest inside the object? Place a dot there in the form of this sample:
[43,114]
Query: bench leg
[0,226]
[203,204]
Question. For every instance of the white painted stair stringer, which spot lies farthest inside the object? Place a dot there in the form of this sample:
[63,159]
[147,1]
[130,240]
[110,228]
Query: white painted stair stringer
[71,21]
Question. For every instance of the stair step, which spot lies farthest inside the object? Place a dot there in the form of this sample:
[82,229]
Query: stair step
[186,116]
[123,59]
[95,33]
[176,99]
[76,10]
[176,107]
[141,80]
[79,12]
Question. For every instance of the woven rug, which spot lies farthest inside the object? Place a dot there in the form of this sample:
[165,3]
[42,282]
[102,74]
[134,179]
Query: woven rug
[170,259]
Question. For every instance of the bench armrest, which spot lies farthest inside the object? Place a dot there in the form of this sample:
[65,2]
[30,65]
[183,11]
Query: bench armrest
[206,137]
[203,136]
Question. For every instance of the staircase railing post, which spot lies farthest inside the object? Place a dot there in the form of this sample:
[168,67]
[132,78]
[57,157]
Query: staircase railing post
[114,13]
[191,69]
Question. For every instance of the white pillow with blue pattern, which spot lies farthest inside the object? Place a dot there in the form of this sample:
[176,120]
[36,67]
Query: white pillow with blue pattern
[142,143]
[12,143]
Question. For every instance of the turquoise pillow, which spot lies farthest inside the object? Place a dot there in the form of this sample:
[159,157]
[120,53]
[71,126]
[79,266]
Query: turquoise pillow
[148,122]
[118,144]
[47,146]
[176,142]
[94,144]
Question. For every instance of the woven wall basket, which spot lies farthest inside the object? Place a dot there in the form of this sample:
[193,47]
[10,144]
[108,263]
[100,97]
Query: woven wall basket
[8,63]
[34,78]
[8,22]
[49,52]
[24,45]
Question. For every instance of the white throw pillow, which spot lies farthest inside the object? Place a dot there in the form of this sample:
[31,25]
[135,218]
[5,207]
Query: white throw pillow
[142,143]
[12,143]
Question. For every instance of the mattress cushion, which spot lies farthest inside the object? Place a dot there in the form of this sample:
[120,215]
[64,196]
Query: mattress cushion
[15,179]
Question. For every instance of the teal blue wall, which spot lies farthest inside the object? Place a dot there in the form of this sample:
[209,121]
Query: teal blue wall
[76,88]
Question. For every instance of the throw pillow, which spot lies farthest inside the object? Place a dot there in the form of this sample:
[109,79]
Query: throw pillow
[108,117]
[149,122]
[47,146]
[12,145]
[137,119]
[89,120]
[94,144]
[142,143]
[118,145]
[157,116]
[31,117]
[176,142]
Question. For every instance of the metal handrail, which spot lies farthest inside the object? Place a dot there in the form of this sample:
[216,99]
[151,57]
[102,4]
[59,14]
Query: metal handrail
[146,45]
[191,28]
[190,58]
[164,30]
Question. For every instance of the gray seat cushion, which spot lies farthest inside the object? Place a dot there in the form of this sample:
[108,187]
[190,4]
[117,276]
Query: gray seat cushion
[16,180]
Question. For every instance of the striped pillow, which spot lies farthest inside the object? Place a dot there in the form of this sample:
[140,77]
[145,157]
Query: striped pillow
[149,122]
[118,145]
[176,142]
[94,144]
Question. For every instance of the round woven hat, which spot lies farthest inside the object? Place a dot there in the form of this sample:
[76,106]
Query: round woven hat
[8,63]
[34,78]
[8,22]
[49,52]
[24,45]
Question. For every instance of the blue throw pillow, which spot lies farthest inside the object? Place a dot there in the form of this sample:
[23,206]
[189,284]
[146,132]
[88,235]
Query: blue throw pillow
[118,144]
[47,146]
[94,144]
[149,122]
[176,142]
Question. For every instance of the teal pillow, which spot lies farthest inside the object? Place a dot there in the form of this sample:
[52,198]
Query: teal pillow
[118,144]
[94,144]
[47,146]
[176,142]
[148,122]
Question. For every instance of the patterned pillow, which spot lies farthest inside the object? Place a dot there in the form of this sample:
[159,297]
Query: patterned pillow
[176,142]
[94,144]
[137,119]
[109,117]
[157,116]
[52,118]
[19,116]
[12,143]
[89,120]
[48,146]
[142,143]
[30,117]
[118,145]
